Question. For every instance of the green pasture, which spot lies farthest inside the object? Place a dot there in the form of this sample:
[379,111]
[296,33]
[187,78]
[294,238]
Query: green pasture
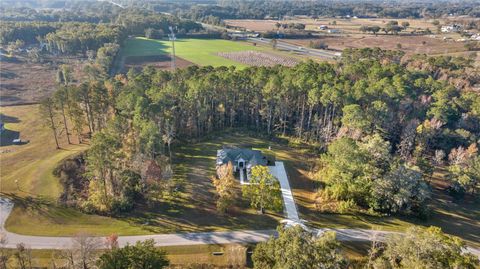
[198,51]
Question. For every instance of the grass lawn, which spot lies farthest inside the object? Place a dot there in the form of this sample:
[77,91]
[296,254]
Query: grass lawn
[233,254]
[31,164]
[198,51]
[36,211]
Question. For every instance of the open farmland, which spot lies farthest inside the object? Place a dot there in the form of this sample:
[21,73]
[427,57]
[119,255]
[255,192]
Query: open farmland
[197,51]
[350,36]
[157,61]
[255,58]
[347,26]
[138,52]
[409,44]
[22,82]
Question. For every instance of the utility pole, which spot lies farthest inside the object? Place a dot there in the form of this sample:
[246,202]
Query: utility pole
[172,38]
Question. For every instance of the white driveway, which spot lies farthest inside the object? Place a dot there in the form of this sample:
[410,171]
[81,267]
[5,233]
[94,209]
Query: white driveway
[279,172]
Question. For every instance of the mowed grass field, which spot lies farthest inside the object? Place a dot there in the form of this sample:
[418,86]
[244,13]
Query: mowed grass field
[198,51]
[32,164]
[233,255]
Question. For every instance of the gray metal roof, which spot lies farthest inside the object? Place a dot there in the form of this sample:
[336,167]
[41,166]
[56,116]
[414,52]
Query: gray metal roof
[251,157]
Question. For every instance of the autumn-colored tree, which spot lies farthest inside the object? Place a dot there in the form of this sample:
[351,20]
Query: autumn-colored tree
[226,187]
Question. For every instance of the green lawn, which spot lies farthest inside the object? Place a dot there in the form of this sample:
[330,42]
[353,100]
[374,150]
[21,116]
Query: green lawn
[198,51]
[193,209]
[233,254]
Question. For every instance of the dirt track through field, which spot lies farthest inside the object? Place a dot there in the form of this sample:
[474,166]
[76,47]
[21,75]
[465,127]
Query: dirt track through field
[157,61]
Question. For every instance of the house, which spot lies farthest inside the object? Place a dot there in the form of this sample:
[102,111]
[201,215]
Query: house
[450,28]
[242,159]
[475,37]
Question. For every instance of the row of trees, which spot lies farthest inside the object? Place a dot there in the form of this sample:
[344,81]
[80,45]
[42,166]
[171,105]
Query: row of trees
[88,252]
[294,247]
[417,248]
[391,27]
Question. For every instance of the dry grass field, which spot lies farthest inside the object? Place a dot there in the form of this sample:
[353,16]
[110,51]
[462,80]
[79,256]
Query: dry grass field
[22,82]
[409,44]
[350,35]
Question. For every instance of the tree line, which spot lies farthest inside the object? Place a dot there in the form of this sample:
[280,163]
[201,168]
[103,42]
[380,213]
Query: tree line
[78,37]
[216,12]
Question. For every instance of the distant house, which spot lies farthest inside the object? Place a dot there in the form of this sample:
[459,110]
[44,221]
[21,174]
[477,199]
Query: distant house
[450,28]
[475,37]
[242,159]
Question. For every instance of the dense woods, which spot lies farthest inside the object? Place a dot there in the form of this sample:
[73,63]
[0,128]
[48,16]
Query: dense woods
[385,120]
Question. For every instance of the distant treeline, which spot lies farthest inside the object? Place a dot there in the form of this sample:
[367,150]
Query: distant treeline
[214,13]
[78,37]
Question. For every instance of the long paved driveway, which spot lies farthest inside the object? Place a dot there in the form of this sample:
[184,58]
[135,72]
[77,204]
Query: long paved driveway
[279,172]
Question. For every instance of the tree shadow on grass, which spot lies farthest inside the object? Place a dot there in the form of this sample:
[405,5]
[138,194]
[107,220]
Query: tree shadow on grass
[176,217]
[7,137]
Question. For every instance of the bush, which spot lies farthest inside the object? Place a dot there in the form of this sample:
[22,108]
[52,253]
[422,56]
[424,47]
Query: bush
[346,206]
[317,44]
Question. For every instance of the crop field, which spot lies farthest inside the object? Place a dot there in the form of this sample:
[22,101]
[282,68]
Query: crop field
[138,52]
[201,52]
[256,58]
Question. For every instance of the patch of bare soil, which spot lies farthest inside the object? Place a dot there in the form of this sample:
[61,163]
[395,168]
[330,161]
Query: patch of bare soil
[409,44]
[157,61]
[253,25]
[256,58]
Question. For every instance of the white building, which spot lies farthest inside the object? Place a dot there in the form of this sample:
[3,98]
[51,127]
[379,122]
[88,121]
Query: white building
[451,28]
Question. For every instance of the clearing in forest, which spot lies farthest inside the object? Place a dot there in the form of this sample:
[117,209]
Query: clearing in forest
[193,208]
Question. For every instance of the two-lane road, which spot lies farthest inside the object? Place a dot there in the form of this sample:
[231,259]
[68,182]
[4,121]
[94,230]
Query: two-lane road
[299,49]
